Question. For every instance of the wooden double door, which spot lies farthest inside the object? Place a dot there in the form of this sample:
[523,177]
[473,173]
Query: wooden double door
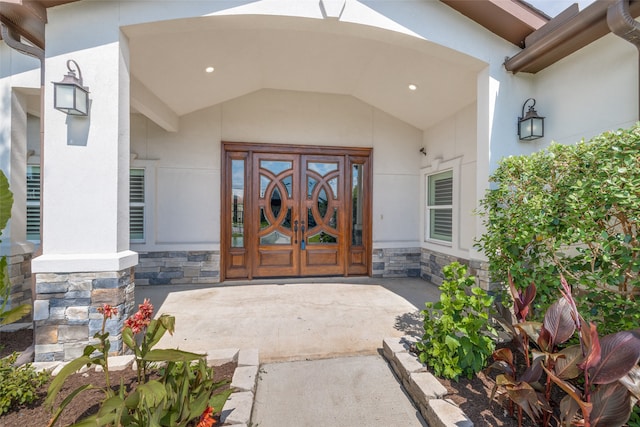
[295,211]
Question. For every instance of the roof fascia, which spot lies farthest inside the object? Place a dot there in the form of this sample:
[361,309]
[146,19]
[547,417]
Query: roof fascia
[28,17]
[572,33]
[511,19]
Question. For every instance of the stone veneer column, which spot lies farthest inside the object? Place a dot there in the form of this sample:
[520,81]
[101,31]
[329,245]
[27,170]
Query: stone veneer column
[432,263]
[66,316]
[19,269]
[85,259]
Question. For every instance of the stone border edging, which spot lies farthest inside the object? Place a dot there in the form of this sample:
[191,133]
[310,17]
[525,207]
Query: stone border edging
[236,411]
[424,389]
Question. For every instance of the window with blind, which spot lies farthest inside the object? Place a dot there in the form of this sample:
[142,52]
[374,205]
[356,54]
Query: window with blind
[136,205]
[440,206]
[33,203]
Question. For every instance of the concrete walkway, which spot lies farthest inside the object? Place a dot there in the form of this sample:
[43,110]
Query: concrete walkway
[297,326]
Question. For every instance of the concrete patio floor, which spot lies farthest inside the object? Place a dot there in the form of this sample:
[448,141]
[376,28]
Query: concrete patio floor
[292,320]
[319,343]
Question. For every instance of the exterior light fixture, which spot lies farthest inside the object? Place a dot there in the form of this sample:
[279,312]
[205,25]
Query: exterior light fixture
[531,125]
[69,96]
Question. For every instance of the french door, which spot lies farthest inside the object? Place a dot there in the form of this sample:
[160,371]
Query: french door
[292,211]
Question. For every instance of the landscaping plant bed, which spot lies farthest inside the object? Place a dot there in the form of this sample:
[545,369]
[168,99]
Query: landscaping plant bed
[472,396]
[86,403]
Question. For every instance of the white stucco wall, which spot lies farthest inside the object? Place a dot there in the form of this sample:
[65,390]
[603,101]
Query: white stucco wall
[187,163]
[589,92]
[452,144]
[19,78]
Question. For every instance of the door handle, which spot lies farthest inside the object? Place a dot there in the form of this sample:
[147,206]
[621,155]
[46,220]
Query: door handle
[295,232]
[302,241]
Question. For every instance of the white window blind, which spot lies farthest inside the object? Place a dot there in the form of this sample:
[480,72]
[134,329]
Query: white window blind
[33,203]
[136,205]
[440,206]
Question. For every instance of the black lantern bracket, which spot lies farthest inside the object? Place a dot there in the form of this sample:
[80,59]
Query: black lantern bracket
[530,125]
[70,96]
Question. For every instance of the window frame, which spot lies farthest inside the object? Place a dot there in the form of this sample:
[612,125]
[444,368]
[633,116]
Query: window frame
[33,204]
[439,166]
[138,204]
[432,181]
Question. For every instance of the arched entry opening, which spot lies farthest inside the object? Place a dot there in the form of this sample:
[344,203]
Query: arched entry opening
[315,86]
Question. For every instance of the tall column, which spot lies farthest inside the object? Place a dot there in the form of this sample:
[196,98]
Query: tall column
[85,259]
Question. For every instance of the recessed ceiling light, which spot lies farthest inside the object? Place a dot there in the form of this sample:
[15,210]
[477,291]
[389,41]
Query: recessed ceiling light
[209,69]
[413,87]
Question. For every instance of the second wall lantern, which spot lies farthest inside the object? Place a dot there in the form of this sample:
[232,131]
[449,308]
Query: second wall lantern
[69,95]
[530,125]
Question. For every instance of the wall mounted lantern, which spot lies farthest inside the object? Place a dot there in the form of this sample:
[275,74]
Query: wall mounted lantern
[69,95]
[531,125]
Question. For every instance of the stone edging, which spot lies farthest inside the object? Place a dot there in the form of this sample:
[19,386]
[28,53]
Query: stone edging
[236,412]
[425,390]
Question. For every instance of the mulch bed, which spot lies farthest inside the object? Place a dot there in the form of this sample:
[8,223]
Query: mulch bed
[87,402]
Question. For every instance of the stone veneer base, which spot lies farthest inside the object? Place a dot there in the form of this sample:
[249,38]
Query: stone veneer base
[432,262]
[178,268]
[19,269]
[66,311]
[396,262]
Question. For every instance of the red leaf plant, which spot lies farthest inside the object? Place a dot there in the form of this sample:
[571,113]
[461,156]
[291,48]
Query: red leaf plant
[607,365]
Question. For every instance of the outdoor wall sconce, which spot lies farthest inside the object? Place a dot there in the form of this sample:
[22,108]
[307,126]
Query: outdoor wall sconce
[69,95]
[531,125]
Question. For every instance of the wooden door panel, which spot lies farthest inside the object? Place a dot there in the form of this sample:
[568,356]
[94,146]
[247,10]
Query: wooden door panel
[275,196]
[304,211]
[323,208]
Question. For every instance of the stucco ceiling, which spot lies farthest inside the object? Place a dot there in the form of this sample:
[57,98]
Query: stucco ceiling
[168,59]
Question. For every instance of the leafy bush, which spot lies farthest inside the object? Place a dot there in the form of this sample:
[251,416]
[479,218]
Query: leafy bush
[457,332]
[573,210]
[18,385]
[16,313]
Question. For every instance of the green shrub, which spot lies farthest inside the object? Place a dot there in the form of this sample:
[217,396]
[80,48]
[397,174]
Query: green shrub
[18,385]
[7,315]
[572,210]
[457,339]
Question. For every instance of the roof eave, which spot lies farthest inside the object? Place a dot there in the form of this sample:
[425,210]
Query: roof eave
[546,46]
[512,20]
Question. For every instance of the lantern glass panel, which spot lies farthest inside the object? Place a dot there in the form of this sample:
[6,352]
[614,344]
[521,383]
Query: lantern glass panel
[64,96]
[81,101]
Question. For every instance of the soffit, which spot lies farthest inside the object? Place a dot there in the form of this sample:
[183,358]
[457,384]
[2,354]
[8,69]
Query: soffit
[321,56]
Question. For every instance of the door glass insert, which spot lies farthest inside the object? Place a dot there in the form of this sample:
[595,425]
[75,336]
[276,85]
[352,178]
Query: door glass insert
[322,168]
[264,222]
[333,222]
[288,184]
[356,205]
[322,202]
[311,221]
[286,223]
[264,183]
[311,185]
[333,183]
[276,202]
[275,238]
[276,166]
[322,238]
[237,203]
